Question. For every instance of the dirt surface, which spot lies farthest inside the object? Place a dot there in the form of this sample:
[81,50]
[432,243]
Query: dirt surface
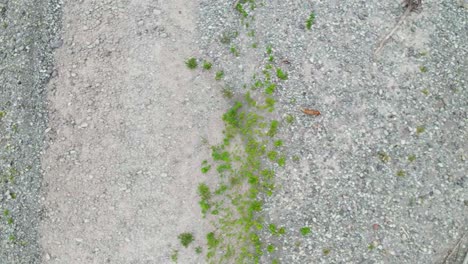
[124,136]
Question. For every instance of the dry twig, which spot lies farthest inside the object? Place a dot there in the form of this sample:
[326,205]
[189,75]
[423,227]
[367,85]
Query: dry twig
[410,5]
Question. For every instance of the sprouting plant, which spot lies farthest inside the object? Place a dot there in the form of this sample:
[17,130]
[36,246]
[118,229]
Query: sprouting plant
[420,129]
[234,51]
[198,250]
[255,45]
[205,166]
[241,10]
[272,155]
[211,240]
[289,119]
[401,173]
[227,37]
[10,221]
[278,143]
[228,93]
[281,161]
[2,114]
[186,239]
[175,256]
[326,251]
[270,248]
[251,33]
[191,63]
[411,158]
[270,89]
[281,74]
[219,75]
[207,65]
[384,157]
[425,91]
[273,128]
[6,212]
[305,230]
[205,196]
[310,21]
[269,49]
[423,69]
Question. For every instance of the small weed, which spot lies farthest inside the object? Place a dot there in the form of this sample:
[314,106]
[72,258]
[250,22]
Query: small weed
[270,104]
[219,75]
[207,65]
[371,246]
[6,212]
[275,261]
[305,230]
[2,114]
[228,93]
[273,128]
[13,195]
[282,161]
[423,69]
[411,158]
[12,238]
[272,155]
[401,173]
[198,250]
[384,157]
[251,33]
[191,63]
[273,229]
[186,239]
[205,166]
[281,231]
[241,10]
[278,143]
[289,119]
[270,89]
[10,221]
[281,75]
[205,195]
[269,49]
[175,256]
[326,251]
[271,58]
[425,92]
[296,158]
[255,45]
[212,241]
[270,248]
[310,21]
[234,51]
[227,37]
[420,130]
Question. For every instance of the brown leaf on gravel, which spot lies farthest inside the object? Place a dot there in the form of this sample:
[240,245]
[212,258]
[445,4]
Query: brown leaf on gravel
[311,112]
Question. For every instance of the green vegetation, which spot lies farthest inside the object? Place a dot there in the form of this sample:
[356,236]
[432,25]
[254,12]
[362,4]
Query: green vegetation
[270,248]
[241,10]
[191,63]
[411,158]
[425,91]
[205,166]
[310,21]
[228,93]
[289,119]
[401,173]
[186,239]
[175,256]
[2,114]
[326,251]
[423,69]
[205,195]
[420,129]
[384,157]
[305,231]
[281,75]
[227,37]
[219,75]
[234,51]
[207,65]
[198,250]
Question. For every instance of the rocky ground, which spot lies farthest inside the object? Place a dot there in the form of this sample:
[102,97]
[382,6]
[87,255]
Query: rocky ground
[100,151]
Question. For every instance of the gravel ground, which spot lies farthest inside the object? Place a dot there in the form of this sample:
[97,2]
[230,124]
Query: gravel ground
[380,176]
[27,36]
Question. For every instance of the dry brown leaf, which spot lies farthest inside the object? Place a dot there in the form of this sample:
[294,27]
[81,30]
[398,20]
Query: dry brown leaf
[311,112]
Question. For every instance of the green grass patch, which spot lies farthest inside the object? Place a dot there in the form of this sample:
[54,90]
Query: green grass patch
[191,63]
[186,239]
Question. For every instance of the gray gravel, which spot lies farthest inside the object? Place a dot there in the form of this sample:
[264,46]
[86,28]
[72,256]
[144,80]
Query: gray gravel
[380,176]
[27,30]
